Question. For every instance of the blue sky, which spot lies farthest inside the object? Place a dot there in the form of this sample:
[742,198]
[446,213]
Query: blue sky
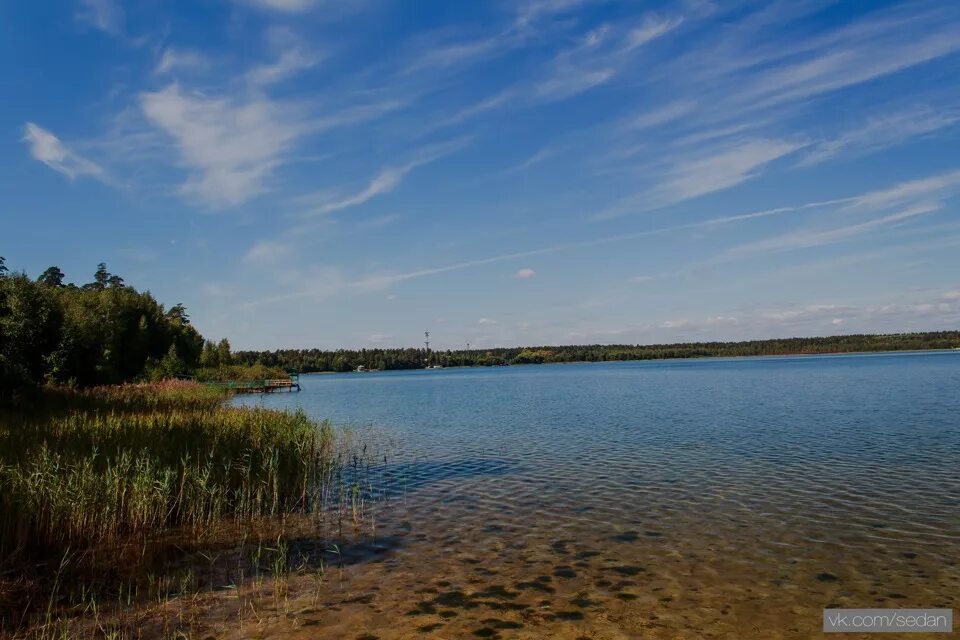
[308,173]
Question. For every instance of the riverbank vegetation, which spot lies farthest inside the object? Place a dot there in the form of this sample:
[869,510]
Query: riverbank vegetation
[126,492]
[103,332]
[316,360]
[112,497]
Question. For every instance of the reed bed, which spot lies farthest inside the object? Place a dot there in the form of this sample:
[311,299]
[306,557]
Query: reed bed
[140,466]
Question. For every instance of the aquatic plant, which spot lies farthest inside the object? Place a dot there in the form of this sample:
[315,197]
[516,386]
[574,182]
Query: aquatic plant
[112,471]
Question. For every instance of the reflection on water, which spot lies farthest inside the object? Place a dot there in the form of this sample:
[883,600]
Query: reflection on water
[725,498]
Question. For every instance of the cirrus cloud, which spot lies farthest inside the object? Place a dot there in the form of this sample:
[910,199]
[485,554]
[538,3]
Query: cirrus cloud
[48,149]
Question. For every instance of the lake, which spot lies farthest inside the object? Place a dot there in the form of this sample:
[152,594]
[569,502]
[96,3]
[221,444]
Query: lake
[663,499]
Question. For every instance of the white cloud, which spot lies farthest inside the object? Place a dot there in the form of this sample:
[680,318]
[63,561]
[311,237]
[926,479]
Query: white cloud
[446,55]
[569,82]
[229,147]
[652,28]
[486,321]
[818,237]
[531,11]
[290,63]
[938,186]
[105,15]
[48,149]
[541,155]
[483,106]
[848,65]
[723,170]
[667,113]
[180,59]
[385,181]
[882,132]
[267,251]
[691,176]
[524,274]
[286,6]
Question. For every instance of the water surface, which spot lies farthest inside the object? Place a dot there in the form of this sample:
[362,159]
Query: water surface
[692,498]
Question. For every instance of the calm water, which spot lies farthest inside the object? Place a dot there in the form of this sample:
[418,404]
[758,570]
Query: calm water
[698,498]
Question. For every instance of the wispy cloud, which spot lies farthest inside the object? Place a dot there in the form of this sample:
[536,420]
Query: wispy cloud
[267,252]
[570,82]
[598,57]
[844,67]
[757,65]
[288,64]
[723,170]
[881,132]
[920,191]
[286,6]
[229,147]
[652,28]
[818,237]
[692,176]
[524,274]
[385,181]
[541,155]
[181,60]
[105,15]
[485,105]
[938,186]
[48,149]
[662,115]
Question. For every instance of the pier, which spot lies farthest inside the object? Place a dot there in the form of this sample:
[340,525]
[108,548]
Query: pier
[260,386]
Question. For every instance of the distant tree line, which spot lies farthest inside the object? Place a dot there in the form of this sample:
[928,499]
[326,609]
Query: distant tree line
[101,332]
[317,360]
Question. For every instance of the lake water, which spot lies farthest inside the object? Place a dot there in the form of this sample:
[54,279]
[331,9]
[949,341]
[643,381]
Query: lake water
[665,499]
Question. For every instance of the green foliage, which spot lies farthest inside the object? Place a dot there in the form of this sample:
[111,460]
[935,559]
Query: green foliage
[52,277]
[31,323]
[223,352]
[532,356]
[308,360]
[238,373]
[103,332]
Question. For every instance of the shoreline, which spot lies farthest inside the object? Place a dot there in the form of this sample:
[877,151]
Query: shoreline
[716,357]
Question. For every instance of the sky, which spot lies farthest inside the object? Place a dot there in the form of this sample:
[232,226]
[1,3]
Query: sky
[312,173]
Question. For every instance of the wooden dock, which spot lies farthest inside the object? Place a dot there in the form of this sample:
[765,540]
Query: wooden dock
[259,386]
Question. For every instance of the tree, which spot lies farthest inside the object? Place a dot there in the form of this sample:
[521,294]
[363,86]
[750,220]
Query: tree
[52,277]
[102,333]
[3,266]
[30,326]
[100,279]
[172,364]
[178,314]
[209,357]
[223,352]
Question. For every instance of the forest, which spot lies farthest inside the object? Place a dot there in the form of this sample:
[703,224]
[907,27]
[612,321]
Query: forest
[317,360]
[98,333]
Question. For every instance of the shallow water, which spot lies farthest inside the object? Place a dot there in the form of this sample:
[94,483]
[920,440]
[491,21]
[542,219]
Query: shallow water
[669,499]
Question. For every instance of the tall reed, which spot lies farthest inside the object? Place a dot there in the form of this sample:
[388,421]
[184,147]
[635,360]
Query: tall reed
[147,458]
[124,488]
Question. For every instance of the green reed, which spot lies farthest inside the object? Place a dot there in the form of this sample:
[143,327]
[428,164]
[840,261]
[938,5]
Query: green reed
[123,468]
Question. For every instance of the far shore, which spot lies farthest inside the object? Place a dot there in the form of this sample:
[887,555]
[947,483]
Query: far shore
[708,357]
